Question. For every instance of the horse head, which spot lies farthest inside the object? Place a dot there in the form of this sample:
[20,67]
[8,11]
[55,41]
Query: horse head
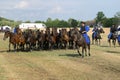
[6,35]
[101,30]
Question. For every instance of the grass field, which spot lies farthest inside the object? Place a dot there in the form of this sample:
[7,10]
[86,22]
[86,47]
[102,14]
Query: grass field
[104,64]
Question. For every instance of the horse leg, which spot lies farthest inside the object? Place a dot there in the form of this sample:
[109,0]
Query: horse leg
[14,47]
[92,40]
[95,41]
[109,41]
[78,48]
[88,49]
[65,44]
[99,42]
[9,46]
[114,43]
[83,51]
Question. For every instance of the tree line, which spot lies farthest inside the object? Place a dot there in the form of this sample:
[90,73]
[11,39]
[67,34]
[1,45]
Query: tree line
[100,19]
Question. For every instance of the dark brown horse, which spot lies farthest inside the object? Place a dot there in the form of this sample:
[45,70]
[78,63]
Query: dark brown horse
[53,38]
[113,38]
[79,41]
[73,37]
[97,36]
[82,43]
[40,39]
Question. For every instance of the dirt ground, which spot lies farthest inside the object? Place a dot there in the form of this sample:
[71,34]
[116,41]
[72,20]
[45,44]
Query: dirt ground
[104,64]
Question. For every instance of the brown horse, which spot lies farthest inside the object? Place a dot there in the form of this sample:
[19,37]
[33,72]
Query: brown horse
[31,39]
[64,38]
[13,39]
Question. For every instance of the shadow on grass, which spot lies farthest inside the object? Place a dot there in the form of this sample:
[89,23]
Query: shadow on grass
[3,51]
[116,52]
[12,51]
[70,55]
[104,46]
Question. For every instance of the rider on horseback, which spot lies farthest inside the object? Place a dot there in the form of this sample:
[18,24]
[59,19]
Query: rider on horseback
[84,29]
[118,30]
[113,29]
[95,30]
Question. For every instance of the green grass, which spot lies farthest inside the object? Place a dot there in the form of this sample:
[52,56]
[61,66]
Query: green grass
[61,64]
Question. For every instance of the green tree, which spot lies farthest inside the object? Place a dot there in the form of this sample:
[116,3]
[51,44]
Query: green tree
[63,23]
[100,17]
[49,22]
[27,21]
[55,23]
[117,17]
[72,22]
[38,21]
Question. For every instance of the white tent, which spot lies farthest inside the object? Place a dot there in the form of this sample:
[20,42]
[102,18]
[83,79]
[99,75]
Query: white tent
[5,28]
[24,26]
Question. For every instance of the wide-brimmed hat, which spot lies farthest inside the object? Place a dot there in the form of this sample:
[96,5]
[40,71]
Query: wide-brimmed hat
[82,22]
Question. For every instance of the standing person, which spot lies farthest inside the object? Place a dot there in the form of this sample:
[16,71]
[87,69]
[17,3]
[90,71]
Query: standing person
[113,29]
[84,29]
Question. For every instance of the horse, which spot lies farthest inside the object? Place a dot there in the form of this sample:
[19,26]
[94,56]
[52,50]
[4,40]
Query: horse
[73,37]
[113,38]
[79,41]
[30,39]
[21,38]
[97,36]
[47,39]
[64,38]
[40,39]
[13,39]
[53,38]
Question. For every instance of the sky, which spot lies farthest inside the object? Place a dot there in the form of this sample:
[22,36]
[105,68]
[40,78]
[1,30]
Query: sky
[62,9]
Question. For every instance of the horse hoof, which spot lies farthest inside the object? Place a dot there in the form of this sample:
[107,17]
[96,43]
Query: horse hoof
[89,55]
[80,54]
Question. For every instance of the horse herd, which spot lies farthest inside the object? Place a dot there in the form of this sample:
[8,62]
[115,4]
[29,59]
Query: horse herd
[47,40]
[50,39]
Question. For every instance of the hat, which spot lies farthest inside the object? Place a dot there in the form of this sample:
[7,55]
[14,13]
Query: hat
[82,22]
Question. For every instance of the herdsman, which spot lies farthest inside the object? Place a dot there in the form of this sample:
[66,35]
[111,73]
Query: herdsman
[118,30]
[113,29]
[84,29]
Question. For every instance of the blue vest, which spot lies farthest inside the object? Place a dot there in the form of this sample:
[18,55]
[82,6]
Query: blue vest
[85,28]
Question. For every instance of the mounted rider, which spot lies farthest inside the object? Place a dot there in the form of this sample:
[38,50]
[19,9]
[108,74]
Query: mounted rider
[113,29]
[84,29]
[95,30]
[118,33]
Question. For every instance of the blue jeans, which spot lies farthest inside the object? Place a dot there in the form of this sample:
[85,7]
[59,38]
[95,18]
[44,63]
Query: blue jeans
[110,35]
[118,38]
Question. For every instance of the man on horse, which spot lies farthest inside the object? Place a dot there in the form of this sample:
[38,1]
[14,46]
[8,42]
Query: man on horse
[15,29]
[113,29]
[95,30]
[84,29]
[118,31]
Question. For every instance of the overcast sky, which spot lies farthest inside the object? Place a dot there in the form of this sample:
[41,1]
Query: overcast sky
[63,9]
